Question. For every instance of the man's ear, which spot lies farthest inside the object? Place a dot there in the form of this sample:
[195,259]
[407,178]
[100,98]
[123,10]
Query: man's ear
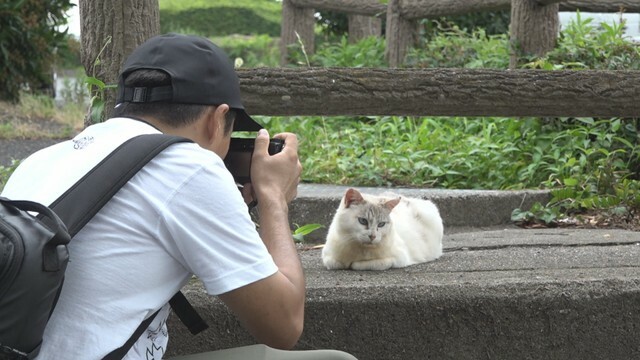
[215,122]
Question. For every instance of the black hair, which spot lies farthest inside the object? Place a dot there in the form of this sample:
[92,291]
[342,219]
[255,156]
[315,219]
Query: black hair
[174,115]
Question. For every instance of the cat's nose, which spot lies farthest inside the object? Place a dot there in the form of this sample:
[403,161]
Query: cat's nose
[372,237]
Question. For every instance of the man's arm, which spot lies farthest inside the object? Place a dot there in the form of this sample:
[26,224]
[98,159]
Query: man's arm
[272,309]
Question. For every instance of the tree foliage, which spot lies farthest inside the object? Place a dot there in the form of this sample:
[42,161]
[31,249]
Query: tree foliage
[28,39]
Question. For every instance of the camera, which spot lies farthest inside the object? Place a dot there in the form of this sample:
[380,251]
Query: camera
[238,159]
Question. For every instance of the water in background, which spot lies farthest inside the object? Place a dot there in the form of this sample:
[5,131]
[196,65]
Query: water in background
[632,21]
[70,87]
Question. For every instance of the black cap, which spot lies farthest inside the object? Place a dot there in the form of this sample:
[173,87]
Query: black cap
[201,73]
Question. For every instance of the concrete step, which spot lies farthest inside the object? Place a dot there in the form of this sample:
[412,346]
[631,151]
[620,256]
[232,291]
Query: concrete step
[498,292]
[460,209]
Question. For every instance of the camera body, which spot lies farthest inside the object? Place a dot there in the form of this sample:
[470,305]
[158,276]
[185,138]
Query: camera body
[238,159]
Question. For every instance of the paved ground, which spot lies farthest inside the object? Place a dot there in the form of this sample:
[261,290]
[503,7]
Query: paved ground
[498,292]
[19,149]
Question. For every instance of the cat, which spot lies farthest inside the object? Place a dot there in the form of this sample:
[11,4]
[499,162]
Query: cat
[380,232]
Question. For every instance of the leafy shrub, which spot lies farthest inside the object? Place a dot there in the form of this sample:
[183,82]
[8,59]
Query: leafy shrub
[491,22]
[368,52]
[584,46]
[28,37]
[453,47]
[220,18]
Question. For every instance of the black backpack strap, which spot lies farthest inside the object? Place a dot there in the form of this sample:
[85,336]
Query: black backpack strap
[187,314]
[87,196]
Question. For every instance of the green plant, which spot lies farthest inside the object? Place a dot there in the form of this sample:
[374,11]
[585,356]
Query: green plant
[368,52]
[97,90]
[301,231]
[6,171]
[595,171]
[453,47]
[537,214]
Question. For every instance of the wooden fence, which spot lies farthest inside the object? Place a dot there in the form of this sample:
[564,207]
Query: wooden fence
[440,92]
[534,23]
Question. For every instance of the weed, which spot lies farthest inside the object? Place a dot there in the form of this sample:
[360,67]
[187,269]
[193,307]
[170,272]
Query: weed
[6,171]
[301,231]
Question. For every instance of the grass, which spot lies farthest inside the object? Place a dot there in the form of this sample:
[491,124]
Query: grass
[271,10]
[37,116]
[456,153]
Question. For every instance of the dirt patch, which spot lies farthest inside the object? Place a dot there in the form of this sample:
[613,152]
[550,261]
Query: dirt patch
[591,220]
[24,122]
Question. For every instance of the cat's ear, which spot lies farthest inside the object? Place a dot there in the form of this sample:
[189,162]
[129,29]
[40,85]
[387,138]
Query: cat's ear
[352,196]
[392,203]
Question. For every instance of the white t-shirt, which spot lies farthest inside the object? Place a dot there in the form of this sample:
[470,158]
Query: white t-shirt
[182,214]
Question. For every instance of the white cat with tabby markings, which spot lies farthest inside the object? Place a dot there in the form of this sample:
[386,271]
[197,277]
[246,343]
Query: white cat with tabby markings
[380,232]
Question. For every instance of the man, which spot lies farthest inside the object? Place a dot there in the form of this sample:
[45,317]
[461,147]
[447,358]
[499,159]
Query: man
[182,214]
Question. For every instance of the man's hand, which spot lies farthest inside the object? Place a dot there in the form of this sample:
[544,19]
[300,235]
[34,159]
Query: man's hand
[275,177]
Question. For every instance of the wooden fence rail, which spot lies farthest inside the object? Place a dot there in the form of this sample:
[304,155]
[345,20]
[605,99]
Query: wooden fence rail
[421,9]
[534,22]
[440,92]
[358,7]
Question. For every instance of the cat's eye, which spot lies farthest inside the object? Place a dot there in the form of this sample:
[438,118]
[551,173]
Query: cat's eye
[363,221]
[382,224]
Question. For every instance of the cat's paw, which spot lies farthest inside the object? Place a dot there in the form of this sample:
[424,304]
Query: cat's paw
[333,264]
[378,264]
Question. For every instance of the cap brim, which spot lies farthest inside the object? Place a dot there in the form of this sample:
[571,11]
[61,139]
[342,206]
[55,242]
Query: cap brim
[244,122]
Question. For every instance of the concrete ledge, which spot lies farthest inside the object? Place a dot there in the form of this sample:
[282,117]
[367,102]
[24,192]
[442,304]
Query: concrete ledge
[501,294]
[460,209]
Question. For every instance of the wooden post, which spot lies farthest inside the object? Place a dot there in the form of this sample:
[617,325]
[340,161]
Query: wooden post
[400,34]
[296,22]
[534,29]
[361,27]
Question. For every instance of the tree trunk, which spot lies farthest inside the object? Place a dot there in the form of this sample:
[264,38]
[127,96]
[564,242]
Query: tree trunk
[110,30]
[361,27]
[534,29]
[297,28]
[439,92]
